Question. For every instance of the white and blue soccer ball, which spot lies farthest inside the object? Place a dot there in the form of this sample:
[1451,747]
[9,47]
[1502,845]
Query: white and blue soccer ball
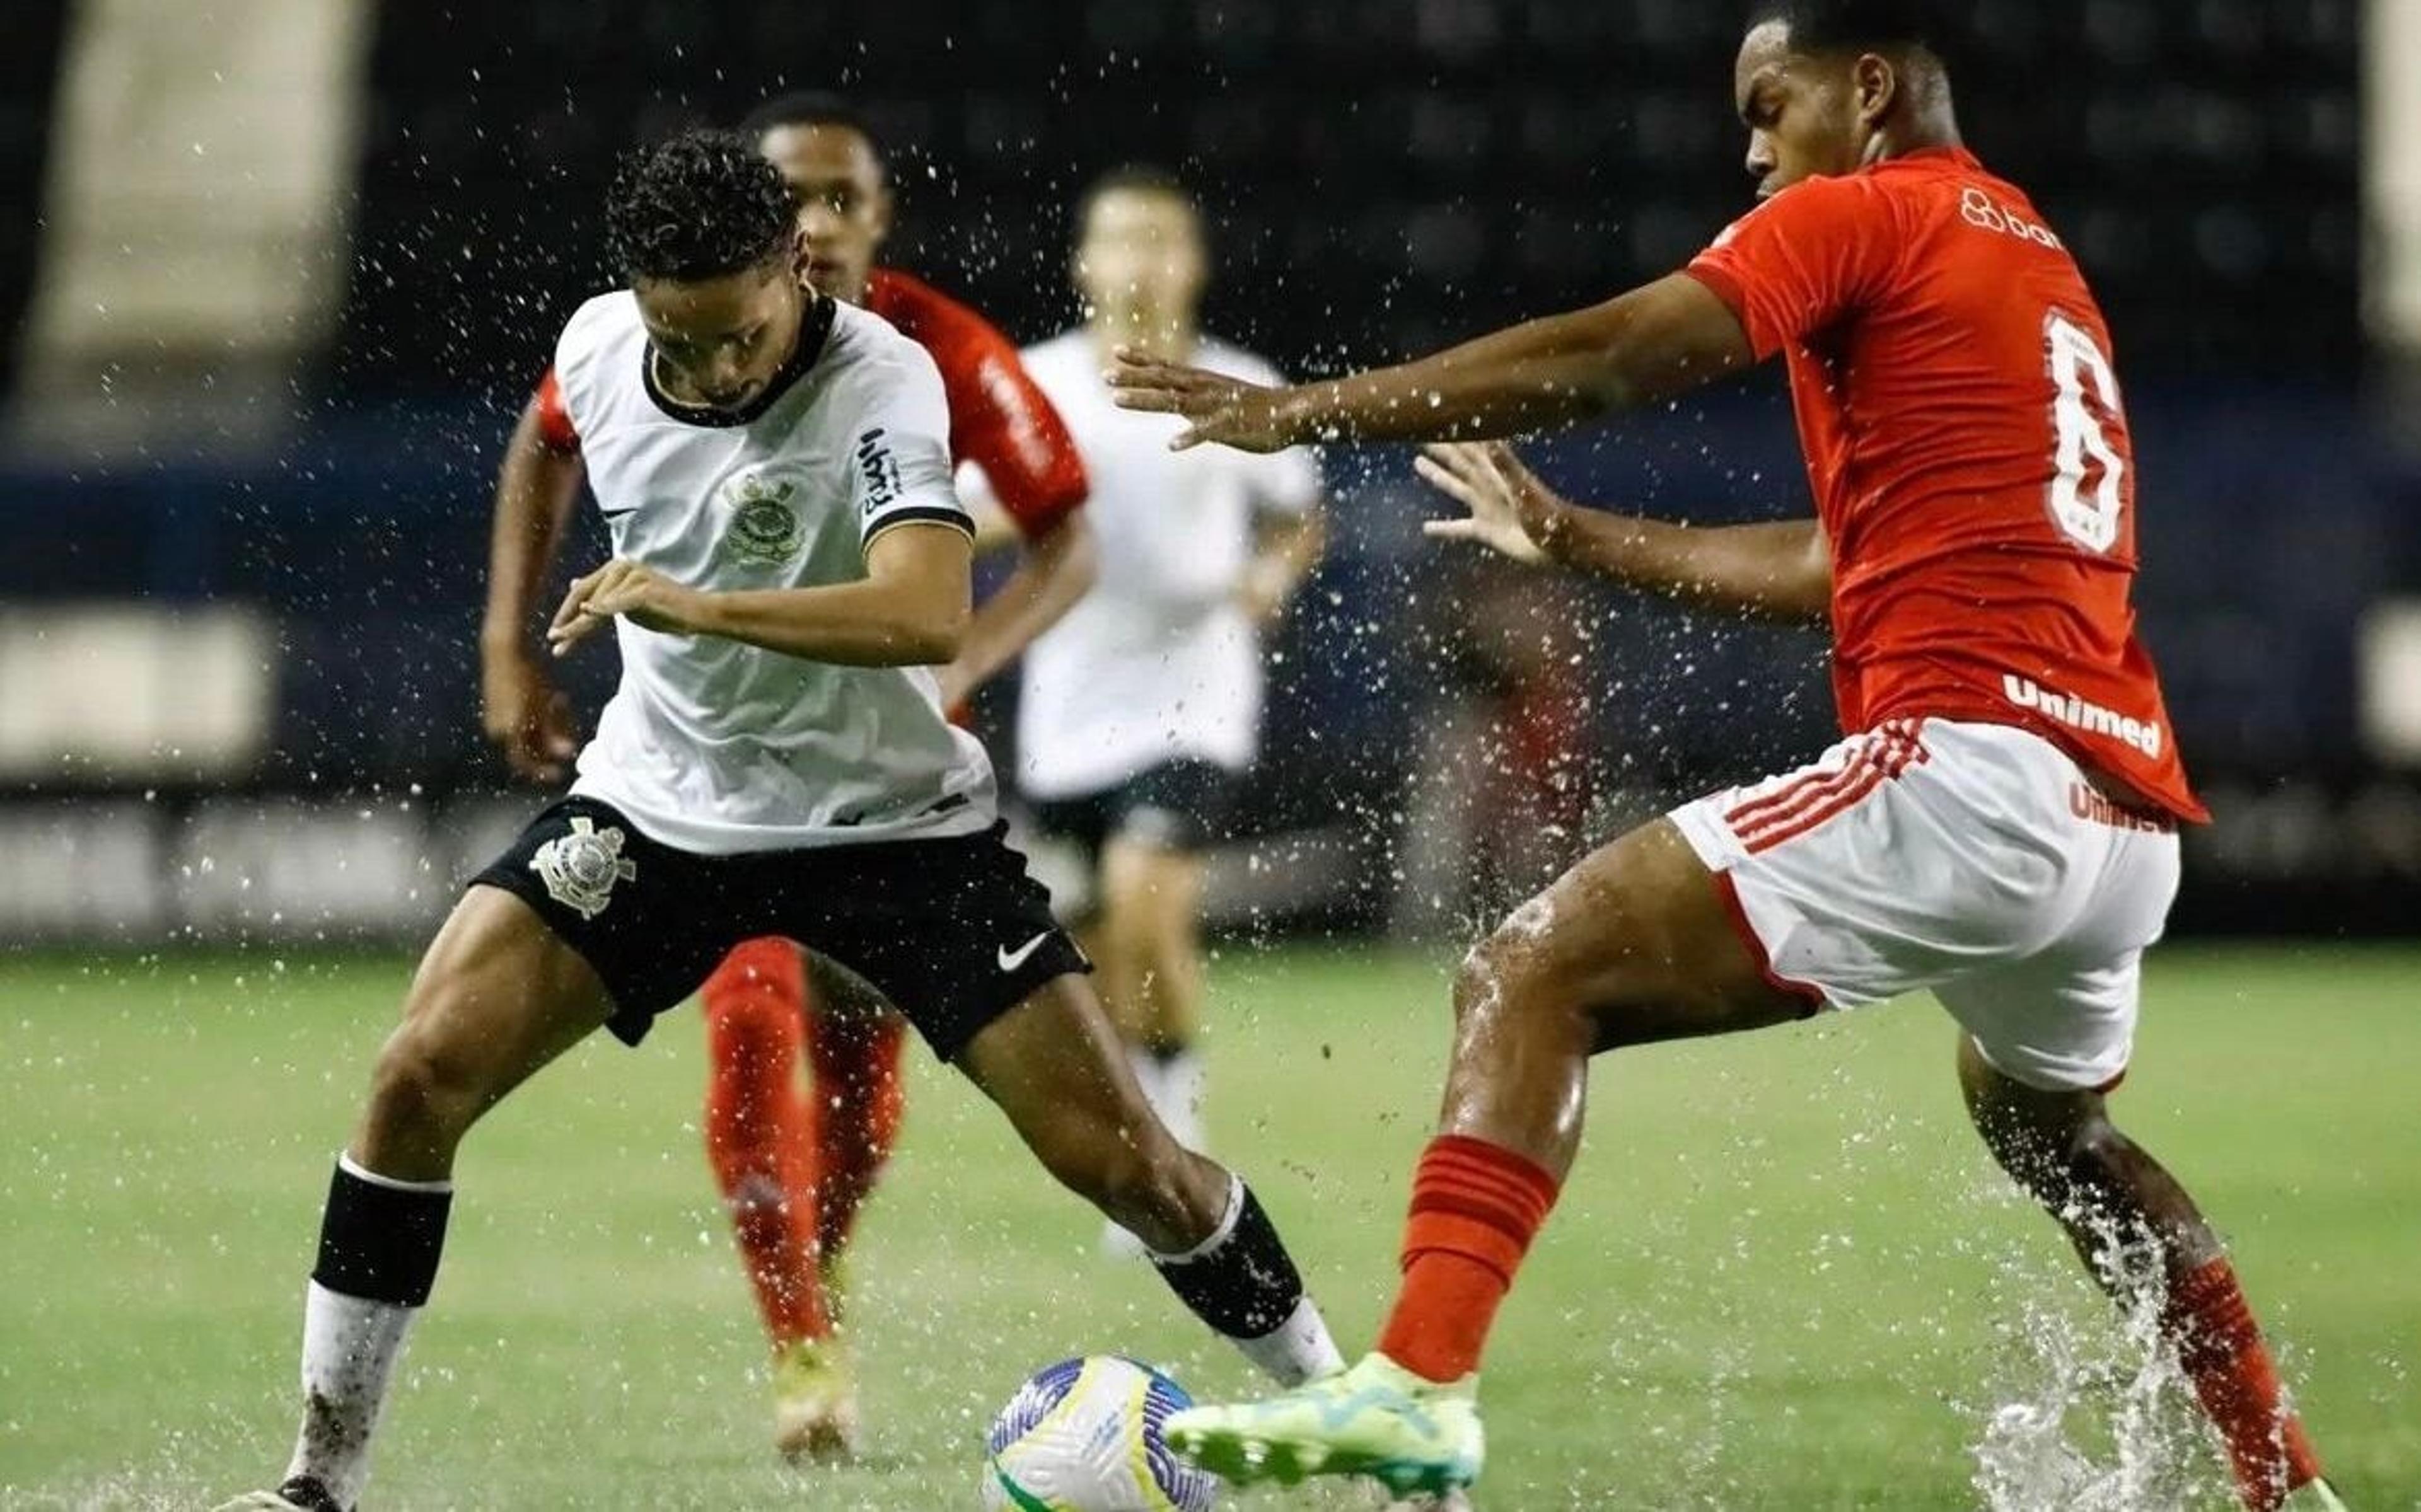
[1084,1435]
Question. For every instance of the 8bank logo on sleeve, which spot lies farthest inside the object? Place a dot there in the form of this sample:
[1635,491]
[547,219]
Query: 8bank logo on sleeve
[877,473]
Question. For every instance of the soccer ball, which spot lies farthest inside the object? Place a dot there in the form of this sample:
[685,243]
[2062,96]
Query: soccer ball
[1083,1436]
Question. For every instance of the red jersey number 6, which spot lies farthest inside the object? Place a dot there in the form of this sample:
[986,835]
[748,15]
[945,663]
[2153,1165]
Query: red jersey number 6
[2086,471]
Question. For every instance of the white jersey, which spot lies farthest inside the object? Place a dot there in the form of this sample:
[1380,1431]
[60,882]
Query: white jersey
[713,746]
[1158,663]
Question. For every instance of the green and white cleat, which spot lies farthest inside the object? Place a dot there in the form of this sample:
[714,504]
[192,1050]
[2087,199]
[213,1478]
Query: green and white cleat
[2313,1496]
[815,1401]
[1377,1419]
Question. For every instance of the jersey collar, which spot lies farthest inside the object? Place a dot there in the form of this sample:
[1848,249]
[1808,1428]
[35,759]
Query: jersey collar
[815,329]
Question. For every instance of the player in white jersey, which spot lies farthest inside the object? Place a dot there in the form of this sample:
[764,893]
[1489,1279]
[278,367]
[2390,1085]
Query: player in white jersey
[1141,708]
[790,562]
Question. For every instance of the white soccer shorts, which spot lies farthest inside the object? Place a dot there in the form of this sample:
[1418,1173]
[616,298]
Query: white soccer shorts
[1975,860]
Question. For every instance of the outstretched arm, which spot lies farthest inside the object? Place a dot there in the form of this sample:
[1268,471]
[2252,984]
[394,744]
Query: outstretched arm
[1656,341]
[909,609]
[1782,571]
[537,487]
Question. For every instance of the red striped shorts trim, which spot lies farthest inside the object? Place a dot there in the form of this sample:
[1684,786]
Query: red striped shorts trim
[1806,800]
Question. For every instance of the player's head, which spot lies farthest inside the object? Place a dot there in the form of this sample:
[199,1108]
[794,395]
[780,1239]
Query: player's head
[1826,86]
[1140,255]
[829,157]
[700,226]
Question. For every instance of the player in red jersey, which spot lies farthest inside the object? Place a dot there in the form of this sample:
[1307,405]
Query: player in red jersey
[796,1163]
[2000,825]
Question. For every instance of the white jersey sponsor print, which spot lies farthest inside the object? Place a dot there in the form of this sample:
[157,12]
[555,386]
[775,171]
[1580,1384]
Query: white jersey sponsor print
[1157,664]
[717,747]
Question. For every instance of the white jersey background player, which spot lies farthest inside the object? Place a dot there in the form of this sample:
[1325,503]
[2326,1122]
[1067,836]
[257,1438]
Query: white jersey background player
[1140,711]
[790,561]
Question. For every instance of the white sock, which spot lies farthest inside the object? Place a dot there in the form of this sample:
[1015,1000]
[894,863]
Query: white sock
[349,1348]
[1298,1350]
[1183,1079]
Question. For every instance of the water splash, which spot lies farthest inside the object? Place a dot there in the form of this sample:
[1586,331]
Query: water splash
[2090,1411]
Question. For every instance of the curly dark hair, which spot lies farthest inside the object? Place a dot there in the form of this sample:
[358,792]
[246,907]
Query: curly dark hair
[697,205]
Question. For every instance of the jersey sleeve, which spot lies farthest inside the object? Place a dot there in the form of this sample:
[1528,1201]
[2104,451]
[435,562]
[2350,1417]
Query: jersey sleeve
[555,428]
[900,455]
[1003,422]
[1801,260]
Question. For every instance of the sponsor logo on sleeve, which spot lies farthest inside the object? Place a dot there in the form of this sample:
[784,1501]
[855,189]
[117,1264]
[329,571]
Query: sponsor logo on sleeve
[877,473]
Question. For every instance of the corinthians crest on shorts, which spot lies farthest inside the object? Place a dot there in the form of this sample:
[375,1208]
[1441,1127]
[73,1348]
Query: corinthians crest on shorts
[765,529]
[581,868]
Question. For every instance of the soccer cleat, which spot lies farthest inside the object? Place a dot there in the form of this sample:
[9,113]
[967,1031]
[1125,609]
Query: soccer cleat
[815,1401]
[1377,1419]
[299,1494]
[2313,1496]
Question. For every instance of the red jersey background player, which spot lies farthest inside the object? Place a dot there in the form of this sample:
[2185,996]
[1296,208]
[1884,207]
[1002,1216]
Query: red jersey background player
[795,1164]
[1999,827]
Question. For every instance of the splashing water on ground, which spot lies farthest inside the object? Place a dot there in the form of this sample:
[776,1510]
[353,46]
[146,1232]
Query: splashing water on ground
[2090,1411]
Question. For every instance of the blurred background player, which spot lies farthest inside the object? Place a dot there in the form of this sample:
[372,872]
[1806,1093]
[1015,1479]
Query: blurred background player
[795,1164]
[2000,828]
[1140,711]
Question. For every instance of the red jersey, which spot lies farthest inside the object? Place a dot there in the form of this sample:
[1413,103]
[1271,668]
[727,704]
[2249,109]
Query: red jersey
[1969,456]
[999,419]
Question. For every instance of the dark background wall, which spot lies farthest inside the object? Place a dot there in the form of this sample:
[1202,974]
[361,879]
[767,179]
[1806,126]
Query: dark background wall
[1382,176]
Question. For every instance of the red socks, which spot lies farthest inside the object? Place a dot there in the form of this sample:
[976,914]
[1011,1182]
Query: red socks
[759,1132]
[1475,1208]
[2220,1347]
[795,1169]
[858,1100]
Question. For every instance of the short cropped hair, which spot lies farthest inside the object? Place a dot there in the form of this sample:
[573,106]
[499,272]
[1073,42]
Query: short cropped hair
[810,107]
[695,206]
[1843,25]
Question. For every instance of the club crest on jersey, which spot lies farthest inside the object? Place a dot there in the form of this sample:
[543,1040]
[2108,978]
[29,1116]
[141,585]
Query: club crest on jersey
[877,472]
[764,529]
[581,868]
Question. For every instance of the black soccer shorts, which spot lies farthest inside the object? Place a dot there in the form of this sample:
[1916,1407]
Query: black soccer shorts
[1180,804]
[953,932]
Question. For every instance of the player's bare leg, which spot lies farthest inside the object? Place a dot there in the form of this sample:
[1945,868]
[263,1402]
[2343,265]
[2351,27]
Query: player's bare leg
[1152,920]
[1150,928]
[1630,946]
[497,997]
[1054,1067]
[2148,1245]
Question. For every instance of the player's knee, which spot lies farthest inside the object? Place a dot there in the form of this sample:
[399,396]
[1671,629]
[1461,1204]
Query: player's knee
[427,1084]
[1508,974]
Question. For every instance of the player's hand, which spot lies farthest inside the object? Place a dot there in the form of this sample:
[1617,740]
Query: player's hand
[1247,416]
[623,589]
[526,716]
[1511,512]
